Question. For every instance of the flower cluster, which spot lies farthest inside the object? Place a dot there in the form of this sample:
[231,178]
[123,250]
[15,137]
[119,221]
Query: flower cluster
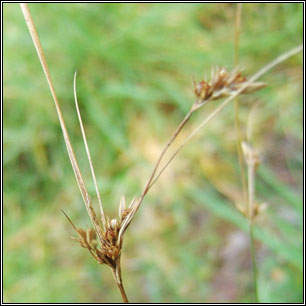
[109,249]
[223,84]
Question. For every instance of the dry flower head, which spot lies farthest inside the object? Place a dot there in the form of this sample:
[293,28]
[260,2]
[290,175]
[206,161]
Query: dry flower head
[222,84]
[108,251]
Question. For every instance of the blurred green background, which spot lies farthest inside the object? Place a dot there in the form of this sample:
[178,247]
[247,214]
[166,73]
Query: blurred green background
[187,243]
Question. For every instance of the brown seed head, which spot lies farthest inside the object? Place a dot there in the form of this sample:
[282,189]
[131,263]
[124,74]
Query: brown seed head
[222,84]
[111,239]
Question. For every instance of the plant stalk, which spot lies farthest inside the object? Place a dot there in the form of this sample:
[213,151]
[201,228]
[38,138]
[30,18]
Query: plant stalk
[253,259]
[257,75]
[71,154]
[79,178]
[117,276]
[236,103]
[173,137]
[153,178]
[250,161]
[237,32]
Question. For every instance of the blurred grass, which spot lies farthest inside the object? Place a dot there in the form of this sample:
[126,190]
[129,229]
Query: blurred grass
[134,63]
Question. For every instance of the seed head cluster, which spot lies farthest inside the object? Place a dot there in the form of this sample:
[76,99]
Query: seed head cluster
[222,84]
[107,249]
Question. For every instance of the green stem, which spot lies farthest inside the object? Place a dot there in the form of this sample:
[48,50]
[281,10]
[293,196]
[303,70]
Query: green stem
[253,259]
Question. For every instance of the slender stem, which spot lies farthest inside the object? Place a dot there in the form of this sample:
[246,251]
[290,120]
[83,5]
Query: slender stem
[236,103]
[73,160]
[174,136]
[257,75]
[88,152]
[251,190]
[251,161]
[123,294]
[239,151]
[251,197]
[152,179]
[117,276]
[253,258]
[237,32]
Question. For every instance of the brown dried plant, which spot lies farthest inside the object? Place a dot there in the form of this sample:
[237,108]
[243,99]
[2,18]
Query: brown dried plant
[105,240]
[222,84]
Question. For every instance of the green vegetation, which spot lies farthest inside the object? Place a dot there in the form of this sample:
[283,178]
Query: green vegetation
[135,61]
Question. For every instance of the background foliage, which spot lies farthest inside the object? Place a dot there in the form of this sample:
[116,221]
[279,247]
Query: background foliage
[134,61]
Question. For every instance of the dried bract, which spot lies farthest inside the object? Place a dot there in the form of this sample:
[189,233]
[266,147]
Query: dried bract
[251,156]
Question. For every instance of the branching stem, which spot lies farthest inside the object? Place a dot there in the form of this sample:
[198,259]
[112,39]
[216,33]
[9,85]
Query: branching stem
[155,175]
[257,75]
[174,136]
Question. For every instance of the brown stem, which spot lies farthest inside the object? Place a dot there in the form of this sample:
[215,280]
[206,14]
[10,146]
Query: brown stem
[257,75]
[237,33]
[173,137]
[117,276]
[236,104]
[177,131]
[73,160]
[123,294]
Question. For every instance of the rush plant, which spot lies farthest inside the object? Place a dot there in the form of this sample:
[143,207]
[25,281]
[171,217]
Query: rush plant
[104,240]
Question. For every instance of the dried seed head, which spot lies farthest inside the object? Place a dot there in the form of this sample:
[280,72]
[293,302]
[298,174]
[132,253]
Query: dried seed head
[222,84]
[110,236]
[87,239]
[111,239]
